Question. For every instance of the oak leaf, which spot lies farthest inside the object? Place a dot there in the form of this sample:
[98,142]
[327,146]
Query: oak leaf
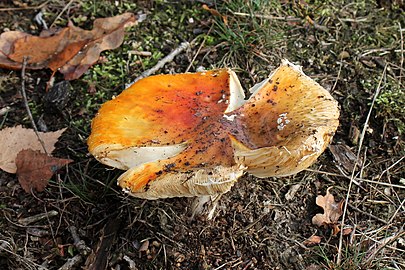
[34,169]
[15,139]
[332,211]
[71,50]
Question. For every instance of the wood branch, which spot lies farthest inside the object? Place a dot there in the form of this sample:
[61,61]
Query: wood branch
[98,259]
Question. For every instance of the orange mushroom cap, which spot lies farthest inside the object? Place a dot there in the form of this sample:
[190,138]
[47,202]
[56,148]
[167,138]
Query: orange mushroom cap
[168,129]
[194,134]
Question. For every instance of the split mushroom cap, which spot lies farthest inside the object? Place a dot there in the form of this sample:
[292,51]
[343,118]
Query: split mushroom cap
[194,134]
[287,123]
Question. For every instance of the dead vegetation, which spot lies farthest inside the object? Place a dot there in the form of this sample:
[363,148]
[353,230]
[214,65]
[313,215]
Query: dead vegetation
[354,49]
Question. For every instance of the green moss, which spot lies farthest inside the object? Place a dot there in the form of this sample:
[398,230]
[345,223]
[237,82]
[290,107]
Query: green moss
[391,106]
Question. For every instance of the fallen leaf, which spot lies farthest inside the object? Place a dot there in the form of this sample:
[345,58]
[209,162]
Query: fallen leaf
[71,50]
[345,157]
[15,139]
[34,169]
[312,241]
[332,211]
[347,231]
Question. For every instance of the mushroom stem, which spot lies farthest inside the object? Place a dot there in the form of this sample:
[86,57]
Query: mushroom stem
[205,205]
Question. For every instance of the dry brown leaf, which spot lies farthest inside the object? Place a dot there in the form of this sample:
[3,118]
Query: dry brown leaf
[332,211]
[15,139]
[71,50]
[347,231]
[345,157]
[34,169]
[312,241]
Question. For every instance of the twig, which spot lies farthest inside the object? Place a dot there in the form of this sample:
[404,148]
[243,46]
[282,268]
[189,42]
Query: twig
[386,241]
[367,214]
[79,244]
[338,76]
[98,259]
[363,133]
[390,167]
[8,245]
[397,211]
[402,50]
[60,13]
[161,63]
[72,263]
[132,264]
[28,220]
[24,95]
[40,20]
[25,8]
[199,48]
[356,178]
[4,110]
[267,17]
[141,53]
[245,229]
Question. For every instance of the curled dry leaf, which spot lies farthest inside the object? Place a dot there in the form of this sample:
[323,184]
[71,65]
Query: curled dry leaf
[71,50]
[194,134]
[34,169]
[332,211]
[15,139]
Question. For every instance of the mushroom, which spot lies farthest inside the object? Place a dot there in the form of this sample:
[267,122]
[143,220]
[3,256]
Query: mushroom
[194,134]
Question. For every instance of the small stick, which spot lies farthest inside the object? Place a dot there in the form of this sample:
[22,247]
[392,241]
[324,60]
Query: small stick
[4,110]
[402,50]
[384,243]
[356,178]
[367,214]
[390,167]
[337,77]
[79,244]
[33,219]
[161,63]
[397,211]
[141,53]
[72,263]
[98,259]
[199,48]
[268,17]
[60,13]
[132,265]
[24,95]
[40,20]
